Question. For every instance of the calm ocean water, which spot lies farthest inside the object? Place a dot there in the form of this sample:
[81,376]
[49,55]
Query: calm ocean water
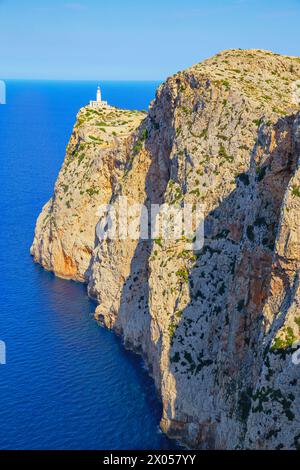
[67,384]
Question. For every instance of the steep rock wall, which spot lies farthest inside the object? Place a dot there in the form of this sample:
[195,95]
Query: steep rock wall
[95,159]
[216,327]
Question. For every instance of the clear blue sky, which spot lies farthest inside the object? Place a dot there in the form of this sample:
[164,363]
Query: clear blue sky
[135,39]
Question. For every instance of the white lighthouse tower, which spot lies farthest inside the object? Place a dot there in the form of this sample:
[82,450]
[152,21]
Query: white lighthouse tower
[98,99]
[98,103]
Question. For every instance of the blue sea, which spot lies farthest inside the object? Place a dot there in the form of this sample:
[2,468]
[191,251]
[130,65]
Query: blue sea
[67,384]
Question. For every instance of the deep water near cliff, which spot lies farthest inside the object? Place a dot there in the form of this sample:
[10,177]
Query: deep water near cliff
[67,383]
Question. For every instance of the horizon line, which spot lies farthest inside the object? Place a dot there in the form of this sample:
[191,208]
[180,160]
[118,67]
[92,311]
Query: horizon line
[85,79]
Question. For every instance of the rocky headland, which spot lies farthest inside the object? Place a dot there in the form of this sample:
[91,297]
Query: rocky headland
[218,328]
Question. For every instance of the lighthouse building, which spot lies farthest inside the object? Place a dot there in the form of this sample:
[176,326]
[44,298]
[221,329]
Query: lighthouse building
[98,103]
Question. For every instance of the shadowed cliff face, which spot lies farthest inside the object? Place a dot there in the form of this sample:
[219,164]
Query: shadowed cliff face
[216,327]
[222,341]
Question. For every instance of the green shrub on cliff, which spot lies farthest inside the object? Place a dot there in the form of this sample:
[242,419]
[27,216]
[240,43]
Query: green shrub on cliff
[183,274]
[296,191]
[287,341]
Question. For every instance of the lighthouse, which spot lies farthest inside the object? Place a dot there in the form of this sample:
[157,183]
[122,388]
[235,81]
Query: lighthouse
[99,103]
[98,98]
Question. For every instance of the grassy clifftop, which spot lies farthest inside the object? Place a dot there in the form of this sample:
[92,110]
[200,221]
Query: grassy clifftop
[262,76]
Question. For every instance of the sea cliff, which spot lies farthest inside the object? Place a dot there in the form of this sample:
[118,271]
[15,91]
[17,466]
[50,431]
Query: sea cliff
[217,327]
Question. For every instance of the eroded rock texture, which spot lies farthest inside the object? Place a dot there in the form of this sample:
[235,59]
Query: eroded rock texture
[95,160]
[217,327]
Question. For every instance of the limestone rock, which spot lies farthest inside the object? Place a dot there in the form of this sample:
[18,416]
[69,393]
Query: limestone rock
[95,159]
[217,327]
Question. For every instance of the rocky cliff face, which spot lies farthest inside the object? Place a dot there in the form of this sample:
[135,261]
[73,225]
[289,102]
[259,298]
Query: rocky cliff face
[218,326]
[95,160]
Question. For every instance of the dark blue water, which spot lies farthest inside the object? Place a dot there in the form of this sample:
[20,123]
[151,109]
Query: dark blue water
[67,384]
